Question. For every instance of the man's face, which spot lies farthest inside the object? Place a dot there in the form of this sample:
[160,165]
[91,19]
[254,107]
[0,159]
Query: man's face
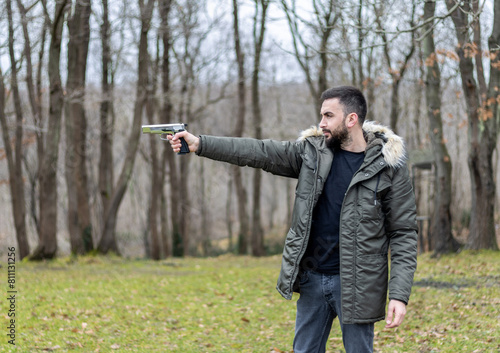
[333,123]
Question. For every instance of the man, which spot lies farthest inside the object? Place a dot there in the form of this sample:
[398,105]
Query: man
[354,204]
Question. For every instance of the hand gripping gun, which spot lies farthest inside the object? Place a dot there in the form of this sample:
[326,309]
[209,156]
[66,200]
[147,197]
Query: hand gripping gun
[167,129]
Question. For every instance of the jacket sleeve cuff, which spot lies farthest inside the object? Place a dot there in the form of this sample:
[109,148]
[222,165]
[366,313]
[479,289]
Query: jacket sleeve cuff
[399,299]
[200,146]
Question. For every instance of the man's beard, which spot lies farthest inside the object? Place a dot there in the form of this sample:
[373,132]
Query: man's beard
[338,137]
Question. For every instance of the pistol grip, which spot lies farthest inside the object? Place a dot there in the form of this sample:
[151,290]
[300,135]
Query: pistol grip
[184,147]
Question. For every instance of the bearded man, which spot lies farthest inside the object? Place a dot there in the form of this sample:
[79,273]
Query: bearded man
[354,205]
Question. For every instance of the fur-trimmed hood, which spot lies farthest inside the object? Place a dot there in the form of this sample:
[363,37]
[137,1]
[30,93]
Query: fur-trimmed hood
[393,147]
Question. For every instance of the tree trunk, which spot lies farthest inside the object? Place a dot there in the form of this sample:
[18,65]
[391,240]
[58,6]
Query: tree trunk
[47,245]
[483,120]
[491,118]
[329,17]
[15,181]
[242,196]
[35,98]
[441,221]
[166,113]
[108,237]
[241,192]
[229,216]
[177,245]
[14,158]
[257,238]
[394,114]
[361,37]
[39,123]
[165,239]
[107,124]
[370,83]
[190,61]
[185,206]
[155,172]
[183,201]
[79,224]
[257,229]
[155,198]
[206,224]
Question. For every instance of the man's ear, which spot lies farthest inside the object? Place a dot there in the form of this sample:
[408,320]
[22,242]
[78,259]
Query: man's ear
[351,120]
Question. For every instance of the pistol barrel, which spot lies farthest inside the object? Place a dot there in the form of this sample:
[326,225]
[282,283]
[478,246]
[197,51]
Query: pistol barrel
[163,128]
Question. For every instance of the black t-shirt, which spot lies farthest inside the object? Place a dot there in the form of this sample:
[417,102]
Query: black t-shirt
[322,254]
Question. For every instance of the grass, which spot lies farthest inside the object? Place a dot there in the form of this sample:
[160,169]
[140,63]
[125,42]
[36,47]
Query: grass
[229,304]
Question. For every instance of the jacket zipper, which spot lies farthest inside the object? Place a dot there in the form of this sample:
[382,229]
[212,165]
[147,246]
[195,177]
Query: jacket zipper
[308,229]
[355,239]
[376,188]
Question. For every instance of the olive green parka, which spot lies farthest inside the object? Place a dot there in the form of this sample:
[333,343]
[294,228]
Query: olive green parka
[378,214]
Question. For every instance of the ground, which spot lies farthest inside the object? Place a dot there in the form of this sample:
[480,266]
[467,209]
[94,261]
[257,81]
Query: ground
[229,304]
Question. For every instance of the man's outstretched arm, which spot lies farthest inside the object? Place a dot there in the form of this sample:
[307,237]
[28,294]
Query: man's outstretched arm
[277,157]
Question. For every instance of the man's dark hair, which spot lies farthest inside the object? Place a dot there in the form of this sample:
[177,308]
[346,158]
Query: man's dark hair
[351,98]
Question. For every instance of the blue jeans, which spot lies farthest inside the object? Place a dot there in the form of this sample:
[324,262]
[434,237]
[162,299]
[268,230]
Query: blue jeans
[318,304]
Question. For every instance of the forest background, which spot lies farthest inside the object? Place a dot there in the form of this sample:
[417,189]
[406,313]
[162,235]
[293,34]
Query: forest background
[78,78]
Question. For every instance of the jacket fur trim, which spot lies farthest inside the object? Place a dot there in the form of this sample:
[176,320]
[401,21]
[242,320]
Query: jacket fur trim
[393,149]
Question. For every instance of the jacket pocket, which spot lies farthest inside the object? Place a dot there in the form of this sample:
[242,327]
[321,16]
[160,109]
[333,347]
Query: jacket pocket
[371,286]
[372,192]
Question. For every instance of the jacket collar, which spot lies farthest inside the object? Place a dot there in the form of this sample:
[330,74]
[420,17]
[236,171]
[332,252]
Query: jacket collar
[376,135]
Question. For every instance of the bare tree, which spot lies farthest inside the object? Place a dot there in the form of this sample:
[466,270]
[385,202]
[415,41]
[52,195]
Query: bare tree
[441,221]
[187,13]
[190,60]
[106,108]
[483,116]
[107,123]
[79,224]
[151,112]
[259,28]
[47,246]
[34,86]
[14,158]
[396,72]
[108,239]
[166,114]
[241,192]
[326,15]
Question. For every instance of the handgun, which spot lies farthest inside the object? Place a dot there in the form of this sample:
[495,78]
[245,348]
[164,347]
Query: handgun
[168,129]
